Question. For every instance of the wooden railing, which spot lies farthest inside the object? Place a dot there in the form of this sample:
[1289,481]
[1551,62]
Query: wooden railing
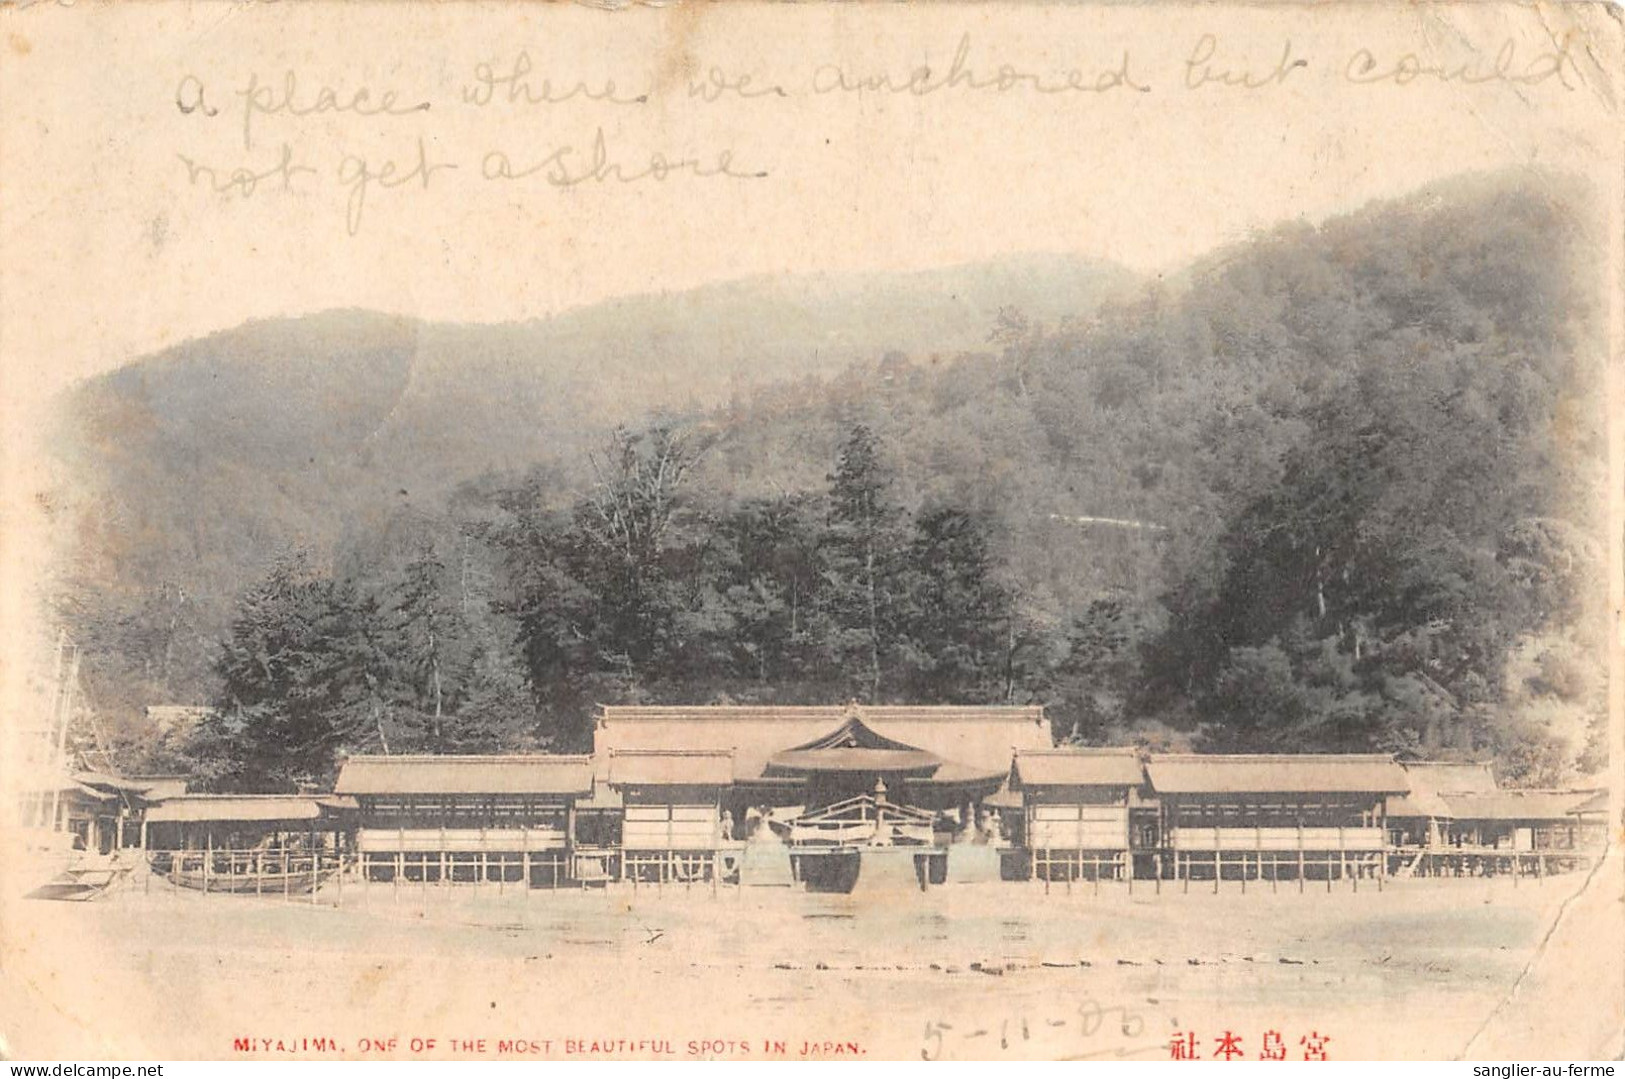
[863,820]
[1200,838]
[470,840]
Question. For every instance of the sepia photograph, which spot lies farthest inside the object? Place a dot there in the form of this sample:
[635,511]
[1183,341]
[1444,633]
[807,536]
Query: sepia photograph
[1011,531]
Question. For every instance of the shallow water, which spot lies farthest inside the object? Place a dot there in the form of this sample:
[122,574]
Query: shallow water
[995,970]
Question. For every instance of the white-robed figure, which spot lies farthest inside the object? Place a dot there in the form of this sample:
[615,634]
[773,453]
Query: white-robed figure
[882,832]
[990,824]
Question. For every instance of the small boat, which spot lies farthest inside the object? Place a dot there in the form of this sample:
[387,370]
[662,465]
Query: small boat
[52,867]
[296,882]
[80,883]
[268,876]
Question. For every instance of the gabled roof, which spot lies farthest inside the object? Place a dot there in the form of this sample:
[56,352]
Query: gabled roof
[1430,780]
[43,780]
[1003,798]
[159,787]
[512,774]
[1597,803]
[106,781]
[1077,767]
[1287,773]
[671,768]
[86,792]
[984,739]
[1451,777]
[236,808]
[853,759]
[1516,805]
[1419,804]
[853,747]
[855,734]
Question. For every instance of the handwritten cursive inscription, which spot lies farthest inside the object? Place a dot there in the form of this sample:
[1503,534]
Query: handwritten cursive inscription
[321,124]
[357,174]
[567,166]
[244,181]
[265,100]
[961,75]
[1364,68]
[716,84]
[1200,70]
[512,85]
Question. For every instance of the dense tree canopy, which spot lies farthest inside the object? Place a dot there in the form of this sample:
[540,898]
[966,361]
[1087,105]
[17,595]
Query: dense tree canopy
[1334,489]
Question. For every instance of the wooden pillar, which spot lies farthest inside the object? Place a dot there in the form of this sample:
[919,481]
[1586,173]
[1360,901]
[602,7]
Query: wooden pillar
[1300,847]
[1027,839]
[524,854]
[1172,835]
[1382,860]
[570,819]
[1382,834]
[1218,858]
[400,835]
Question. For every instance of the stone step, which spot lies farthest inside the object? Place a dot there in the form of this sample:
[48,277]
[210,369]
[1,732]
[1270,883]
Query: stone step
[765,864]
[971,863]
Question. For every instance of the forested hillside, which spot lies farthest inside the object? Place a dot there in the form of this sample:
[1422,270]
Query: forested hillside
[186,474]
[1335,488]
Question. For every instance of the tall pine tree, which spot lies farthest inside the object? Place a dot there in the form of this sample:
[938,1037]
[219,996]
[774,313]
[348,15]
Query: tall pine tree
[860,559]
[302,679]
[955,615]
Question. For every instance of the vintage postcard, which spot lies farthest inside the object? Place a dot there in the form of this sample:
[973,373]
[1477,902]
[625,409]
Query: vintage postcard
[811,531]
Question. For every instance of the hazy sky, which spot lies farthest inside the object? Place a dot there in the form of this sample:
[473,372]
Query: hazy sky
[168,170]
[114,245]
